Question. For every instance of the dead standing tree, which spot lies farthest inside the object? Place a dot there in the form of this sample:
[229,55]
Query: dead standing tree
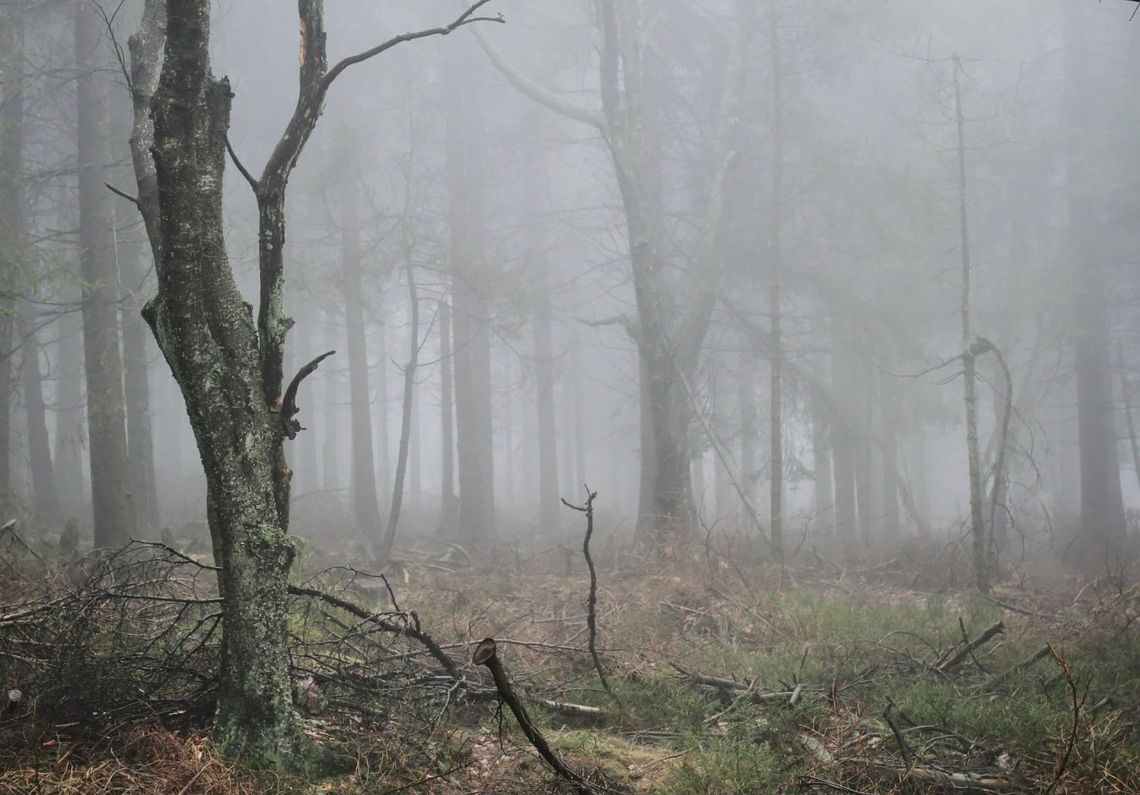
[229,368]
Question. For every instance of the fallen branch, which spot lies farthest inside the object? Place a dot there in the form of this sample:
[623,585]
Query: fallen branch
[485,654]
[572,710]
[963,653]
[411,630]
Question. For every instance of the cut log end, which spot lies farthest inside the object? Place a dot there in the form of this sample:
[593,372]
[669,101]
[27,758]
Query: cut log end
[484,652]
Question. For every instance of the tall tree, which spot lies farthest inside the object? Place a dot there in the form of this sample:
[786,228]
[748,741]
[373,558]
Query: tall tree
[1102,503]
[229,367]
[11,217]
[111,497]
[470,319]
[672,316]
[365,507]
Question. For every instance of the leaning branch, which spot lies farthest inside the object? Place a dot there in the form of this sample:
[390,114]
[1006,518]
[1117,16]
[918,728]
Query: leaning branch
[412,630]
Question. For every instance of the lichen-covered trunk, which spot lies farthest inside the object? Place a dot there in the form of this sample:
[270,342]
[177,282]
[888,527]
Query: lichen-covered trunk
[206,332]
[113,508]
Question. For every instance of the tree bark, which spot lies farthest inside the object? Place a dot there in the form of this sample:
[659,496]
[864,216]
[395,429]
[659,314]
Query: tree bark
[114,512]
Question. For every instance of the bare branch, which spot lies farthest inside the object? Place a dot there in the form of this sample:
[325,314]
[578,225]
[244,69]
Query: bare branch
[543,96]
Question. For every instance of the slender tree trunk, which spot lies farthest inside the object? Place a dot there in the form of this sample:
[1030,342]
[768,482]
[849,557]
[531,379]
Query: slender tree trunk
[380,413]
[749,467]
[449,503]
[330,419]
[776,405]
[1102,503]
[470,322]
[46,496]
[548,504]
[977,521]
[140,439]
[70,432]
[114,513]
[843,445]
[821,431]
[406,415]
[365,508]
[1126,398]
[12,260]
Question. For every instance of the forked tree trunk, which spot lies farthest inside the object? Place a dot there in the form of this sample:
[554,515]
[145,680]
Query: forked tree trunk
[206,332]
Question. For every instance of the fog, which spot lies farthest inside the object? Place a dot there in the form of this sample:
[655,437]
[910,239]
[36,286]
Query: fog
[609,284]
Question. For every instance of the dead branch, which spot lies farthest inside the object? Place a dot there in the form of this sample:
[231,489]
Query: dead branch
[289,406]
[968,649]
[592,599]
[485,654]
[411,630]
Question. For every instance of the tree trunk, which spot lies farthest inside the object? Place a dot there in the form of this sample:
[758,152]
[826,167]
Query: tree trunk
[746,385]
[330,418]
[1102,504]
[47,505]
[824,492]
[776,395]
[140,440]
[114,513]
[472,349]
[206,331]
[406,414]
[449,503]
[548,502]
[365,507]
[977,521]
[11,222]
[70,433]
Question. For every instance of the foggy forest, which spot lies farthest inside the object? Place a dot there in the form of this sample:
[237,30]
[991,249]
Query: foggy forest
[595,396]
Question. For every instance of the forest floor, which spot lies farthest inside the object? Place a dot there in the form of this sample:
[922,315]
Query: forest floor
[870,677]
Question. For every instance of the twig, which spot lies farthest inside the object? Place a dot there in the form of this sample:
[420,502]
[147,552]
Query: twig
[592,600]
[1078,701]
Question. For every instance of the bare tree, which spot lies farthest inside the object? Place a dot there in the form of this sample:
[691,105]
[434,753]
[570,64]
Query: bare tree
[228,366]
